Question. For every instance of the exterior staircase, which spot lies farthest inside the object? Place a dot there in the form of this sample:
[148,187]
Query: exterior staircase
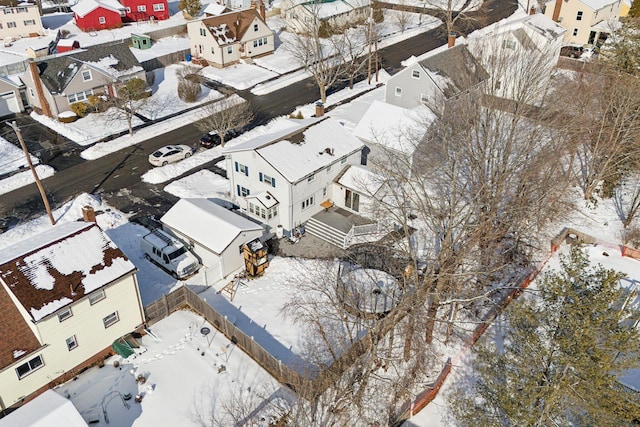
[325,232]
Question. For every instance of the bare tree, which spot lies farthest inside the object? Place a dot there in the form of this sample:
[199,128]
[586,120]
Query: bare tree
[454,13]
[402,17]
[321,57]
[225,115]
[352,46]
[189,83]
[130,98]
[602,113]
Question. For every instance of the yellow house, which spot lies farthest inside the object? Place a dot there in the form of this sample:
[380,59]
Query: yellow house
[586,21]
[65,295]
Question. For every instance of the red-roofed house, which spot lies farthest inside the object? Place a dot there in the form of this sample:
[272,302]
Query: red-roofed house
[93,15]
[144,10]
[65,296]
[225,39]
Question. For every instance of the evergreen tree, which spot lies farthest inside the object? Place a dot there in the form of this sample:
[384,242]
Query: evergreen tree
[190,7]
[634,11]
[562,347]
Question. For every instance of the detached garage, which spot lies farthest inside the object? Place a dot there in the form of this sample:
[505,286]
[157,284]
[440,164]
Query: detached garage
[215,234]
[10,102]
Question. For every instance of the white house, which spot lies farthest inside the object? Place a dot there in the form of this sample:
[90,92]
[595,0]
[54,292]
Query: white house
[215,234]
[227,38]
[20,19]
[518,54]
[304,15]
[443,73]
[358,188]
[586,21]
[65,296]
[284,178]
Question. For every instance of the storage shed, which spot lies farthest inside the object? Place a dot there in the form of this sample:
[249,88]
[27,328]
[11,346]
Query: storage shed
[216,234]
[141,41]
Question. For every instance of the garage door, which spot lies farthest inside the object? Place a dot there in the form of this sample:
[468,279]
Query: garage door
[8,104]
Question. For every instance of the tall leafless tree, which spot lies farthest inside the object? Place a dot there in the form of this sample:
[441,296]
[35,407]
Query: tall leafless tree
[230,113]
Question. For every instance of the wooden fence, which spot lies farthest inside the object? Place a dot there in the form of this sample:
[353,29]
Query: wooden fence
[183,298]
[167,32]
[165,60]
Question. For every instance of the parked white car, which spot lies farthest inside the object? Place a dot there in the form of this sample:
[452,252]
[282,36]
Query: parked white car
[169,154]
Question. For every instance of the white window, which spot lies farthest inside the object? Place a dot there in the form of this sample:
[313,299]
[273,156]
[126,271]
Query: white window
[8,11]
[96,296]
[128,10]
[29,22]
[32,93]
[415,74]
[264,41]
[309,202]
[255,27]
[71,342]
[213,50]
[11,24]
[268,180]
[244,192]
[80,96]
[64,314]
[203,32]
[21,9]
[102,20]
[311,178]
[424,98]
[26,368]
[579,16]
[158,7]
[110,319]
[398,91]
[230,49]
[86,76]
[243,169]
[255,43]
[509,44]
[575,31]
[142,8]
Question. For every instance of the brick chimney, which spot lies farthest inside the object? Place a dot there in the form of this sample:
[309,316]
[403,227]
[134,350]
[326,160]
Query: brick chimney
[35,75]
[451,40]
[319,109]
[532,11]
[88,214]
[556,11]
[262,10]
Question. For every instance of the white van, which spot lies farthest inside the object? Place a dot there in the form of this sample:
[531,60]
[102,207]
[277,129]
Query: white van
[169,253]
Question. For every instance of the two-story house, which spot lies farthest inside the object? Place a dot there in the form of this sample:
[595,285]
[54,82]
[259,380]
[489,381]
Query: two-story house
[227,38]
[520,55]
[438,75]
[53,84]
[302,16]
[145,10]
[284,178]
[586,21]
[94,15]
[19,19]
[66,295]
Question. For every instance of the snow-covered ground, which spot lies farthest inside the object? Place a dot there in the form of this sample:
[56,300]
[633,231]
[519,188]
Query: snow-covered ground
[13,159]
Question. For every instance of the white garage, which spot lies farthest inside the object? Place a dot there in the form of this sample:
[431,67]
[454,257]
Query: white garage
[10,102]
[215,234]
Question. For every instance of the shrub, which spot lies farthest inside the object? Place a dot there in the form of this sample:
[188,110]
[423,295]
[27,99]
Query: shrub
[189,91]
[324,30]
[67,118]
[300,116]
[80,108]
[378,13]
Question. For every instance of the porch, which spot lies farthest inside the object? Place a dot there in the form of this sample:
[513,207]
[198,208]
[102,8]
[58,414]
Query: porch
[338,226]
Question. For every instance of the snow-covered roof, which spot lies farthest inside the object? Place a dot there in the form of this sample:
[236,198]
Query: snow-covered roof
[598,4]
[538,23]
[208,223]
[48,409]
[328,8]
[265,198]
[362,180]
[84,7]
[393,127]
[63,264]
[68,42]
[304,149]
[214,9]
[230,27]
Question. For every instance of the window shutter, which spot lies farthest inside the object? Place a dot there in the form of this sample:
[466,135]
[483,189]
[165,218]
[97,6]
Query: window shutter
[236,166]
[260,176]
[273,182]
[238,187]
[246,170]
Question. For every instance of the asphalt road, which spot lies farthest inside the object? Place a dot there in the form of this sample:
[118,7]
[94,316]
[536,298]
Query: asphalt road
[116,177]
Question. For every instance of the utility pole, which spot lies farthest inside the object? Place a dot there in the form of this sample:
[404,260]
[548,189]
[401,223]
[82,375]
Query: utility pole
[370,21]
[16,129]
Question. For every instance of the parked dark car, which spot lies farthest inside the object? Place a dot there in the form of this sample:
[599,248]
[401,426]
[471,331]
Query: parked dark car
[212,139]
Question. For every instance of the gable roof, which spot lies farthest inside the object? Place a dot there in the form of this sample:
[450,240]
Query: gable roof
[112,59]
[21,341]
[61,265]
[46,410]
[393,127]
[214,9]
[454,70]
[361,179]
[231,27]
[84,7]
[208,223]
[298,152]
[598,4]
